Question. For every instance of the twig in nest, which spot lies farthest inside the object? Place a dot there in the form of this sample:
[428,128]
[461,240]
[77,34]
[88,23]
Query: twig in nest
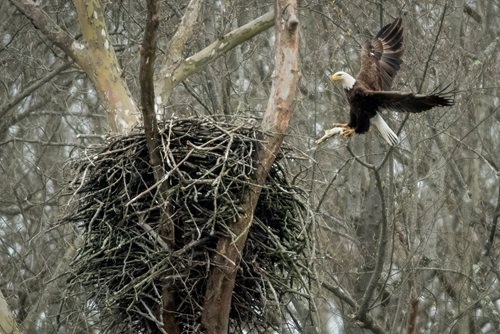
[125,264]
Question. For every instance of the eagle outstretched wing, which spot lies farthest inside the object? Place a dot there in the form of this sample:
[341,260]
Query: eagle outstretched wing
[381,57]
[409,102]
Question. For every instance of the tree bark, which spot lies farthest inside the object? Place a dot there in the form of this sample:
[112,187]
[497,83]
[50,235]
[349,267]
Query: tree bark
[7,322]
[102,67]
[148,56]
[95,55]
[221,281]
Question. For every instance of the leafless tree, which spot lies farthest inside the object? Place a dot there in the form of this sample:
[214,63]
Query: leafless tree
[405,237]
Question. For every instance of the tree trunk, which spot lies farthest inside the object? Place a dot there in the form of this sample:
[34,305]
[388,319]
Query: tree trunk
[222,276]
[7,322]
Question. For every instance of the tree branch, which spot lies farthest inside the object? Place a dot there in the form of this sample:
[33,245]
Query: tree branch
[105,74]
[382,241]
[221,280]
[47,26]
[146,72]
[50,289]
[381,250]
[426,67]
[6,106]
[175,48]
[171,78]
[368,322]
[182,34]
[327,188]
[473,13]
[494,222]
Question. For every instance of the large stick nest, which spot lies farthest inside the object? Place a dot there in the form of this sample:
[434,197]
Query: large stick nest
[124,264]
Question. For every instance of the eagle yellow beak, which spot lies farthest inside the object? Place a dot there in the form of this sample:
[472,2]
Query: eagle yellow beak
[335,77]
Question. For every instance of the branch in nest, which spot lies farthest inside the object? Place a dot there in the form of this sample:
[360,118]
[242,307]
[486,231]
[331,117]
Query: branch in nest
[124,262]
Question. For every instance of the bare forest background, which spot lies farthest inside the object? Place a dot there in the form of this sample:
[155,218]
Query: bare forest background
[404,238]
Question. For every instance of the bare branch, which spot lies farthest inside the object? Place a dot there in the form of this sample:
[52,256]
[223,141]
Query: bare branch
[472,13]
[6,106]
[368,322]
[41,142]
[194,64]
[363,163]
[320,202]
[382,241]
[52,285]
[148,56]
[174,7]
[93,25]
[183,33]
[493,229]
[47,26]
[411,323]
[436,39]
[146,71]
[492,164]
[381,250]
[176,48]
[105,74]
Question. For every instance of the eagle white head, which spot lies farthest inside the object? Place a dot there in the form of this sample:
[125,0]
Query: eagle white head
[346,80]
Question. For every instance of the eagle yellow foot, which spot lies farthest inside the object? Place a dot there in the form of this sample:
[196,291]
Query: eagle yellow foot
[347,132]
[340,125]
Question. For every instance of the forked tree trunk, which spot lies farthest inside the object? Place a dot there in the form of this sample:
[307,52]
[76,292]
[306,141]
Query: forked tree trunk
[222,276]
[96,56]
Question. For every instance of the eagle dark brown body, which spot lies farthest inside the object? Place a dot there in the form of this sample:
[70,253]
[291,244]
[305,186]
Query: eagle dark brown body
[364,107]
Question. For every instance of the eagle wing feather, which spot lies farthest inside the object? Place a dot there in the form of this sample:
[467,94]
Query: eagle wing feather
[381,57]
[409,102]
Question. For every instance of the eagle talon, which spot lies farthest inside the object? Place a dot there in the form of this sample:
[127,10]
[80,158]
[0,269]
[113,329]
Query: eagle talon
[340,125]
[347,132]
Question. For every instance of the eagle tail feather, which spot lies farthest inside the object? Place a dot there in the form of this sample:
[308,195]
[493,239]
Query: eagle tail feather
[389,136]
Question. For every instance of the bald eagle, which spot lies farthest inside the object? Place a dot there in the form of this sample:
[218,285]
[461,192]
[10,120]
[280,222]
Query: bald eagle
[370,91]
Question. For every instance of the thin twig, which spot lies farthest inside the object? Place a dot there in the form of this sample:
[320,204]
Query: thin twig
[381,250]
[368,322]
[124,260]
[436,39]
[6,106]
